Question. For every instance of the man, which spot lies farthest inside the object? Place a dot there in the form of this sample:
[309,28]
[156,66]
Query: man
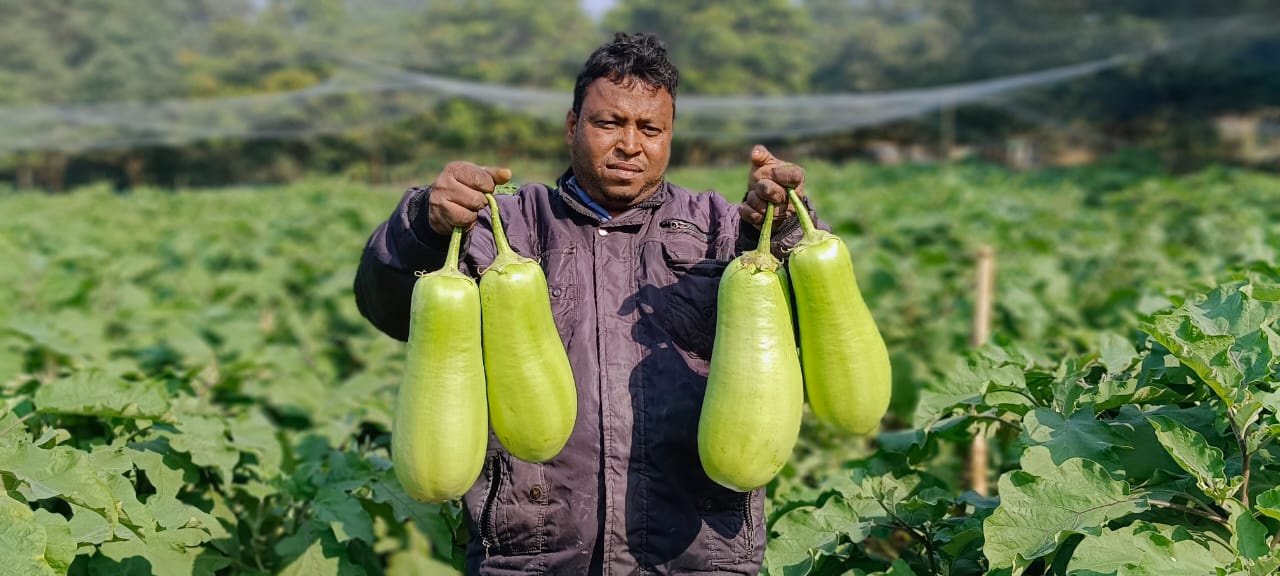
[633,263]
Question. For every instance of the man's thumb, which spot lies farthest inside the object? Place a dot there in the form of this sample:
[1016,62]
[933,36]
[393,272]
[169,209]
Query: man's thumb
[499,175]
[760,156]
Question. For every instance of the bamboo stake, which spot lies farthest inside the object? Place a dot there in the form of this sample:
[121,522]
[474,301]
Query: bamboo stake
[979,454]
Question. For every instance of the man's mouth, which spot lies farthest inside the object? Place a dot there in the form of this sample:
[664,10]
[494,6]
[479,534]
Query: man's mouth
[624,171]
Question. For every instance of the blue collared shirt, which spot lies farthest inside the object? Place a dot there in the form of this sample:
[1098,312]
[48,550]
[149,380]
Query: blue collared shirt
[581,195]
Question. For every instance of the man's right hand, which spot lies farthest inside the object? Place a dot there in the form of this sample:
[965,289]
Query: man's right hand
[459,194]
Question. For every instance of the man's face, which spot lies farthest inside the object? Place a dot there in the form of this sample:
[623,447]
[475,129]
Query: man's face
[620,142]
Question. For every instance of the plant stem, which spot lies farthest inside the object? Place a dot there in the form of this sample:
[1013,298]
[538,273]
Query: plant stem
[766,231]
[1245,455]
[1190,510]
[17,423]
[455,244]
[994,418]
[806,223]
[499,236]
[923,537]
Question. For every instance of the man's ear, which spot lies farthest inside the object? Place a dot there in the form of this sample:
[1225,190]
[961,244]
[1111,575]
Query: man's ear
[570,127]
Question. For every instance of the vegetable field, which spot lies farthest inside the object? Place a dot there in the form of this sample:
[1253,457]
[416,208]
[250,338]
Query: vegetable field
[188,388]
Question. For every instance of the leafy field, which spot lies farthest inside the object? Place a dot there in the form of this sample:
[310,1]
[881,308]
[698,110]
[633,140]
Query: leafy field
[189,389]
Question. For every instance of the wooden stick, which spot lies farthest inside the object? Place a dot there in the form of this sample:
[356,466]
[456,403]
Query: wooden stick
[979,453]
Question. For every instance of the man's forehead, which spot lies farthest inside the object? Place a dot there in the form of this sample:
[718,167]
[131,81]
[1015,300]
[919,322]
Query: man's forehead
[611,89]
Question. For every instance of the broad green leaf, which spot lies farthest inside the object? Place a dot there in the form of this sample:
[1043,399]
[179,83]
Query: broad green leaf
[205,439]
[60,472]
[312,562]
[313,550]
[429,518]
[1116,352]
[1158,550]
[1080,436]
[416,560]
[964,386]
[1194,454]
[1226,337]
[1037,513]
[805,533]
[177,552]
[90,526]
[1248,535]
[103,394]
[1268,503]
[60,546]
[132,512]
[257,435]
[24,542]
[345,515]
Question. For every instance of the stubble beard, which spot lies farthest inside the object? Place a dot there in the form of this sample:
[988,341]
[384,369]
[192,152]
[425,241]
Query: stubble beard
[590,181]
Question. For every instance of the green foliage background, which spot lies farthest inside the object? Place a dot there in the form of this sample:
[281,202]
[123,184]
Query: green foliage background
[187,387]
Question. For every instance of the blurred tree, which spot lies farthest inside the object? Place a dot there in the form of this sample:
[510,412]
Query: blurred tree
[727,47]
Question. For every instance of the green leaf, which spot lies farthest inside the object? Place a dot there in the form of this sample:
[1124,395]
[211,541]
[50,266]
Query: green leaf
[90,526]
[1038,513]
[416,560]
[24,542]
[60,472]
[313,562]
[205,439]
[177,552]
[313,551]
[1159,550]
[1248,535]
[1194,454]
[1080,436]
[345,515]
[1268,503]
[804,534]
[257,435]
[964,386]
[1226,337]
[104,394]
[429,518]
[1116,352]
[60,547]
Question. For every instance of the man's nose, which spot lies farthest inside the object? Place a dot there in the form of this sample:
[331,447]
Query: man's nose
[628,142]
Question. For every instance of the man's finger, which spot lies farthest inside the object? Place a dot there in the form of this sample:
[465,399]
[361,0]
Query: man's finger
[761,156]
[470,199]
[480,178]
[788,175]
[499,175]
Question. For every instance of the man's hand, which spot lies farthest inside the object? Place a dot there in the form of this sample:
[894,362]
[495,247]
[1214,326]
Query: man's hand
[768,183]
[458,194]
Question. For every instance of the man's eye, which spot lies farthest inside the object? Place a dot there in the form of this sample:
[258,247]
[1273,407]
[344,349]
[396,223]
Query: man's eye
[651,130]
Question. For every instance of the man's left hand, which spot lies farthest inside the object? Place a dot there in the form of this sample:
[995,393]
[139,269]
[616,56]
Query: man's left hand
[768,183]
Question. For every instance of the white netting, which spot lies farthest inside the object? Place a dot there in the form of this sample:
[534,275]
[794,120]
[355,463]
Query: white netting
[364,94]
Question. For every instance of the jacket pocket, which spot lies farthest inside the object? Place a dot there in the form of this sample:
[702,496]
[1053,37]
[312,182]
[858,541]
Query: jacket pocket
[560,266]
[689,314]
[513,522]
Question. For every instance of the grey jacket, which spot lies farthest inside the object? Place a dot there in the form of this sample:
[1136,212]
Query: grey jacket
[634,299]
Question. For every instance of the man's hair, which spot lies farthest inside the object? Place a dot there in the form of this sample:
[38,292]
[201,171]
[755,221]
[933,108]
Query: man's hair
[640,56]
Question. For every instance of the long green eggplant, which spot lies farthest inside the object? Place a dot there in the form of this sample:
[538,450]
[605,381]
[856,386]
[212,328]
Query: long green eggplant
[755,395]
[533,401]
[846,365]
[440,428]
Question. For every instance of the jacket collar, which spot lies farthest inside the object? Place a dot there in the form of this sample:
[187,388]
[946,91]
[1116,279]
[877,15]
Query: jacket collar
[629,217]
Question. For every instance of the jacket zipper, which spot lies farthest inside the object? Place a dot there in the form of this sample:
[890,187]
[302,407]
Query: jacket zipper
[747,520]
[685,227]
[487,534]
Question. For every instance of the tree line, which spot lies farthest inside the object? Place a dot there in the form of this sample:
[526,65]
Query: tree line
[68,53]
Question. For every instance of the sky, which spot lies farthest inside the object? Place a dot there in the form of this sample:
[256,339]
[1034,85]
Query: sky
[596,8]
